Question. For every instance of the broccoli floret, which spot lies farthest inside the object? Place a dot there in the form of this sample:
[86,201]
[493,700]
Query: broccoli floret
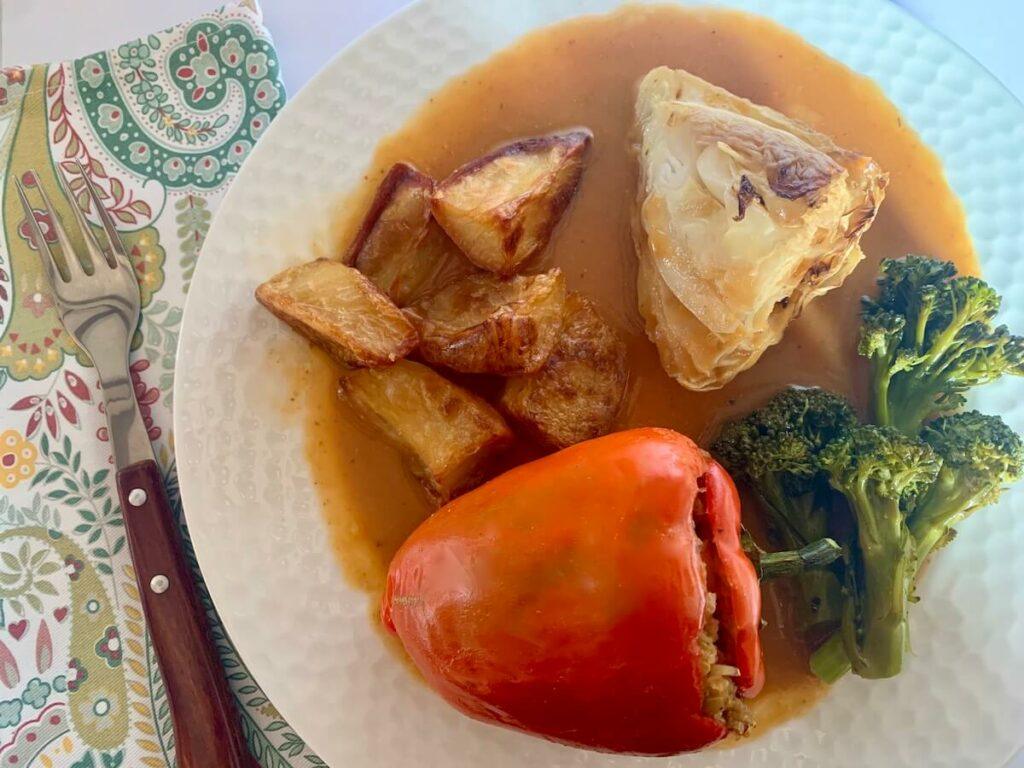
[929,338]
[980,456]
[882,474]
[889,498]
[774,450]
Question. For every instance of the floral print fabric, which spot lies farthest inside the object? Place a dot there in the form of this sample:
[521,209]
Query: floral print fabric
[161,125]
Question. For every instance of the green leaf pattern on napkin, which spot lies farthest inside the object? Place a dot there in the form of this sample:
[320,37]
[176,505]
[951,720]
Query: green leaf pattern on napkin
[161,125]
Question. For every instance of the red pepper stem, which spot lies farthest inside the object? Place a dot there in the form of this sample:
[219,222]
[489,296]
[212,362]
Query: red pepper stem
[817,554]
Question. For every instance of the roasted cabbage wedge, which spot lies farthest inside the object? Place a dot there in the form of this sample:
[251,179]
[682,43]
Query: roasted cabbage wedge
[485,324]
[742,217]
[339,309]
[577,394]
[501,209]
[399,246]
[448,435]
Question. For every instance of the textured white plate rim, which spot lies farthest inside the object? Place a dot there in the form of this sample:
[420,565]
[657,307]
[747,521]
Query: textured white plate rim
[193,476]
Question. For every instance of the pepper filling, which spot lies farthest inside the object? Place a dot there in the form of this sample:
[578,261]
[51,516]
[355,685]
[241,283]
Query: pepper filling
[721,700]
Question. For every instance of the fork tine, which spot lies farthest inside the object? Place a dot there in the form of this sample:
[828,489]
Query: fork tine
[50,265]
[92,245]
[71,260]
[116,246]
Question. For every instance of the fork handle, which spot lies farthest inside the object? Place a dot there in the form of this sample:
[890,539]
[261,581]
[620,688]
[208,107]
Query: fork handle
[207,730]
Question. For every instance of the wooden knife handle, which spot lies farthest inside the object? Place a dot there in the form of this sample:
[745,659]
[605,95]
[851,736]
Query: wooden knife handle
[206,726]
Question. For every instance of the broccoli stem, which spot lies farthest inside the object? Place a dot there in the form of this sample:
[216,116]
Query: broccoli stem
[874,628]
[909,407]
[880,395]
[822,594]
[876,647]
[921,327]
[800,522]
[909,422]
[830,662]
[788,513]
[949,501]
[818,554]
[928,540]
[946,340]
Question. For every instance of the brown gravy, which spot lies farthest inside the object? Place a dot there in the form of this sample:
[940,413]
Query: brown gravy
[583,72]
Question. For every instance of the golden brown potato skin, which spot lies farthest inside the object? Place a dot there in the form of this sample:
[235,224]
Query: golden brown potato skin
[399,246]
[337,308]
[483,324]
[399,211]
[576,396]
[501,209]
[448,435]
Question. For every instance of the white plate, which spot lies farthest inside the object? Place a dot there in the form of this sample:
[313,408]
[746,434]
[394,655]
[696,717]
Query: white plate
[255,520]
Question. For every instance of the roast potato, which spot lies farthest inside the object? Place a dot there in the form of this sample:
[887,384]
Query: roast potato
[577,394]
[399,246]
[339,309]
[447,434]
[484,324]
[501,209]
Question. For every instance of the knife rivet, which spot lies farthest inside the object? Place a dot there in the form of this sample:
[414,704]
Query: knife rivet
[137,497]
[159,584]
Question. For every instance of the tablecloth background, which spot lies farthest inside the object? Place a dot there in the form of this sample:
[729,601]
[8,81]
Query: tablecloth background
[161,123]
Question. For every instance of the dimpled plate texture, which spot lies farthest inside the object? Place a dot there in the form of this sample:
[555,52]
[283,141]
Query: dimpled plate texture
[255,519]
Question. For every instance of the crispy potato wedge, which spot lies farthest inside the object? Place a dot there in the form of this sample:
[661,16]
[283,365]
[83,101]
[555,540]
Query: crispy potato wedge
[395,220]
[447,263]
[501,209]
[484,324]
[399,246]
[339,309]
[577,394]
[447,434]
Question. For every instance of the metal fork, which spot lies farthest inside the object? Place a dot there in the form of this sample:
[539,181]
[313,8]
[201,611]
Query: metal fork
[97,298]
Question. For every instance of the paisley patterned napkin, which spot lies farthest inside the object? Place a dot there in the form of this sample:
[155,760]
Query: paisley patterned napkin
[162,124]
